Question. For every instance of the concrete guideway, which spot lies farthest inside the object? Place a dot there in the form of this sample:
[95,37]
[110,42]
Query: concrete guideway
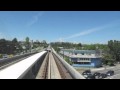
[51,66]
[16,70]
[54,72]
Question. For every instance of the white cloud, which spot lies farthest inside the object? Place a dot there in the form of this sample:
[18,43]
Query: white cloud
[35,19]
[87,32]
[83,33]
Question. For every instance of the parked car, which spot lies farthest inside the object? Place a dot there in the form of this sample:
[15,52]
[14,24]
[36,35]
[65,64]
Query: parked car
[90,76]
[86,72]
[96,74]
[102,75]
[110,73]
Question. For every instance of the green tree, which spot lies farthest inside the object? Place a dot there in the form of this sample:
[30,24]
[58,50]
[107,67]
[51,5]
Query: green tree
[114,47]
[108,59]
[3,46]
[27,43]
[67,60]
[14,45]
[15,40]
[27,40]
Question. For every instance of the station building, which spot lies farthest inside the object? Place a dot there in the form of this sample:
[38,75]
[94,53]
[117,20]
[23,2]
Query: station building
[83,58]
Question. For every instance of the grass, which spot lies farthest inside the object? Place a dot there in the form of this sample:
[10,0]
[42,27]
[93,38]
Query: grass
[80,70]
[67,60]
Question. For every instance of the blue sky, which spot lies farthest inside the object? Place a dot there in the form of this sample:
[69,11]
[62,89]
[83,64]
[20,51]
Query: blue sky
[72,26]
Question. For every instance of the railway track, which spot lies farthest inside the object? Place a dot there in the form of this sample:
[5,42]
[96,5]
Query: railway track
[52,68]
[43,71]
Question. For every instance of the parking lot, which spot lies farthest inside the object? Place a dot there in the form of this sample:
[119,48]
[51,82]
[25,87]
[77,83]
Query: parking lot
[103,71]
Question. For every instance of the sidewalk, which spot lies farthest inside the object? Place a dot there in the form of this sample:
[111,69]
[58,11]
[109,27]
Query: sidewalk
[107,67]
[97,69]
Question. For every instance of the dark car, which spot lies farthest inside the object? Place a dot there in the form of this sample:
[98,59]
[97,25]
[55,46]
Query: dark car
[96,74]
[90,76]
[102,75]
[86,72]
[110,73]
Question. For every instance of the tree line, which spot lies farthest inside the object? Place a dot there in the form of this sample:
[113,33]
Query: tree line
[14,46]
[110,51]
[78,46]
[9,47]
[66,45]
